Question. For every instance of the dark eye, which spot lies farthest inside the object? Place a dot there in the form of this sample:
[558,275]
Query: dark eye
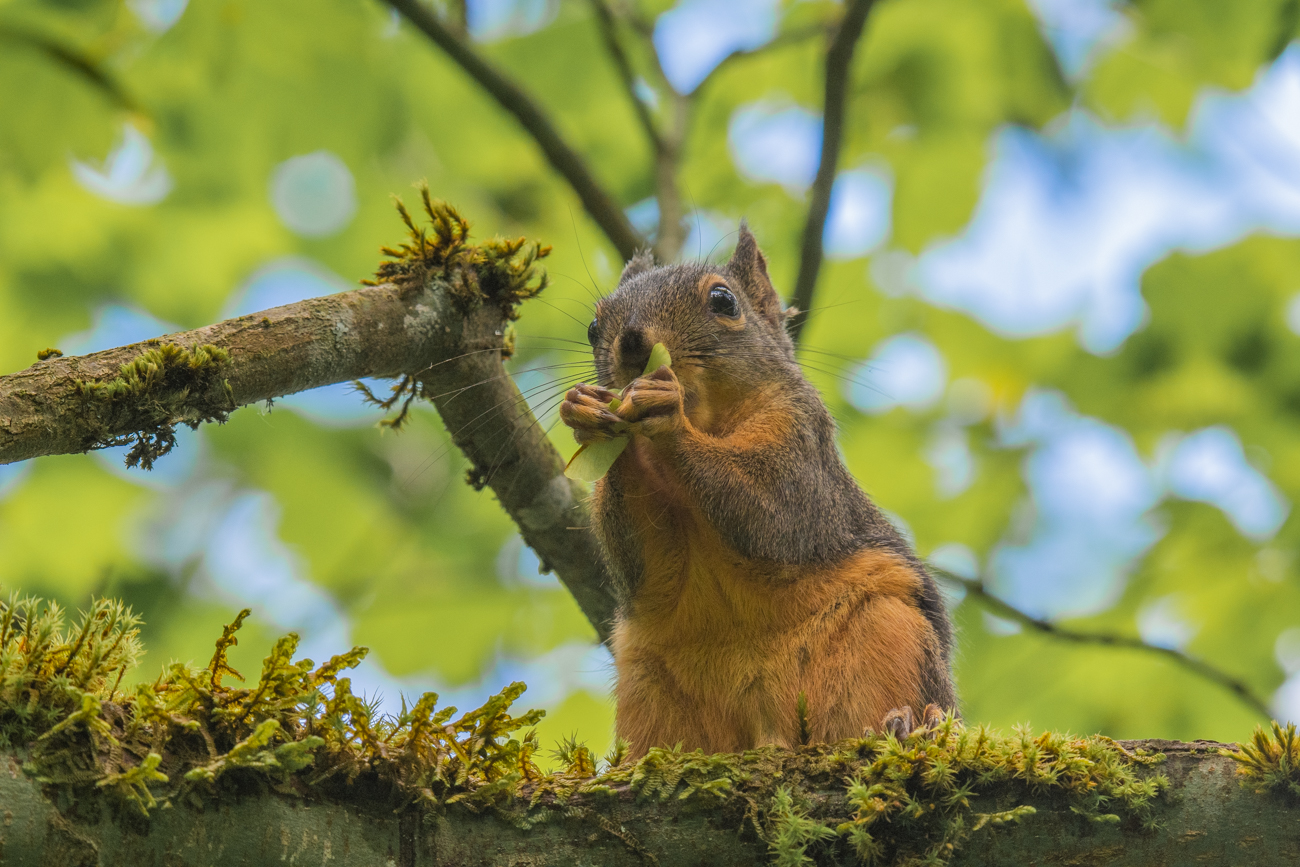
[593,332]
[722,302]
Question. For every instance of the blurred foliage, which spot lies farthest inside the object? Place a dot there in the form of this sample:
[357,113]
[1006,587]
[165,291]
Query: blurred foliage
[384,525]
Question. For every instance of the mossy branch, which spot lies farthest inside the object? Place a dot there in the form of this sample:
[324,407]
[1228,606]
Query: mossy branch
[299,760]
[299,765]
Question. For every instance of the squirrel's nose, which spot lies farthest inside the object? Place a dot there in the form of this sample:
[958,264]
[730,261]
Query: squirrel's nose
[633,350]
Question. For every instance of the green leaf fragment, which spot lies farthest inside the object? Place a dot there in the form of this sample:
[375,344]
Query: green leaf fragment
[590,462]
[659,357]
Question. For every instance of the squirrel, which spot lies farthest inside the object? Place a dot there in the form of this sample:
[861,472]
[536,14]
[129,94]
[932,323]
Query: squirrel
[764,599]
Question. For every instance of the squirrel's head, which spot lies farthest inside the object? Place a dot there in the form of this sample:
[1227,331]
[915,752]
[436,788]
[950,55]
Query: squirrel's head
[715,320]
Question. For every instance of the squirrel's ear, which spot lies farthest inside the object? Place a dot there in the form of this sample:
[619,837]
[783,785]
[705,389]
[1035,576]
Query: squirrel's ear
[749,265]
[643,261]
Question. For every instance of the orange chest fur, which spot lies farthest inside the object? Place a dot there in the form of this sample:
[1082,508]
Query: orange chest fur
[715,648]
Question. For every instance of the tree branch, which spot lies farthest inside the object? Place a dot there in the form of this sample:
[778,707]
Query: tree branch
[666,142]
[599,204]
[839,62]
[1004,609]
[609,33]
[1206,819]
[52,407]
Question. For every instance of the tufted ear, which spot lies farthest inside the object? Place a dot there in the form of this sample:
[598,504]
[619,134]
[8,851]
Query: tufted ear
[643,261]
[749,266]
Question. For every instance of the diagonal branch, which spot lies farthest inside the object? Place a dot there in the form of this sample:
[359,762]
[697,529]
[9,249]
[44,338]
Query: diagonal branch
[563,158]
[60,405]
[839,60]
[1002,608]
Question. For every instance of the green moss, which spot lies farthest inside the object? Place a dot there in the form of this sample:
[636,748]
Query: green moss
[47,353]
[791,830]
[185,734]
[190,735]
[499,270]
[1270,761]
[161,387]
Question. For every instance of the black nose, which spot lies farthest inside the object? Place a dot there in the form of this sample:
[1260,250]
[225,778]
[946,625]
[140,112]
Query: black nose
[633,349]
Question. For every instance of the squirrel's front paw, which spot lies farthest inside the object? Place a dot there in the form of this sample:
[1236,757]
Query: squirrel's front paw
[586,410]
[655,404]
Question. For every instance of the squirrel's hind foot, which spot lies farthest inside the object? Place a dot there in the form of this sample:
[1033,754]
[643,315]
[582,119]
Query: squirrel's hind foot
[900,721]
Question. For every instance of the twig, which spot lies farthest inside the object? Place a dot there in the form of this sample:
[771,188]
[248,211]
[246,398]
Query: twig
[510,96]
[665,140]
[1004,609]
[839,60]
[609,32]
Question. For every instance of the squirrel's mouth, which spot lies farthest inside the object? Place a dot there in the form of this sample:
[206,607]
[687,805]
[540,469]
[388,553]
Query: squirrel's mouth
[631,353]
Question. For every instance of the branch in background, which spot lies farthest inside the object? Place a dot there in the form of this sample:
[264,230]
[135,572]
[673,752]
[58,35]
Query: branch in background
[839,62]
[666,142]
[510,96]
[609,33]
[1004,609]
[74,61]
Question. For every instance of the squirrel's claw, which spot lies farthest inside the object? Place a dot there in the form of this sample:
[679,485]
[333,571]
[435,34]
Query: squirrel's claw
[900,722]
[586,410]
[654,404]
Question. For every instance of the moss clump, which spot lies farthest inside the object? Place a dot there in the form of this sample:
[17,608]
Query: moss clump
[47,672]
[879,800]
[189,735]
[502,271]
[1270,760]
[48,353]
[499,271]
[161,387]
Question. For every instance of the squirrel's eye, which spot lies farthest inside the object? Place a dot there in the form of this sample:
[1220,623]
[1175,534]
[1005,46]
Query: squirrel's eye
[722,302]
[592,333]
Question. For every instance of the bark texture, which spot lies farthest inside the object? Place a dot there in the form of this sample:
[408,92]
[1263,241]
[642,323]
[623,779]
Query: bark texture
[376,331]
[1207,819]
